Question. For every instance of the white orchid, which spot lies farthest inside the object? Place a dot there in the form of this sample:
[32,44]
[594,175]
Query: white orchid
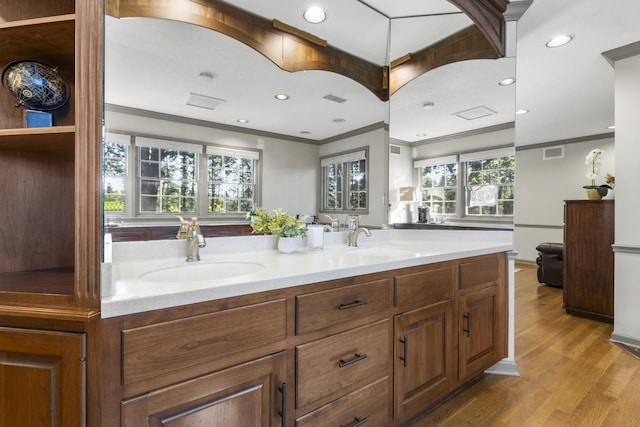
[593,162]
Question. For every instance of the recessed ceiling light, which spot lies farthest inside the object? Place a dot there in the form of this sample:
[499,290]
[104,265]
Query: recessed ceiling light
[506,82]
[314,15]
[428,105]
[560,40]
[611,127]
[242,121]
[522,112]
[282,96]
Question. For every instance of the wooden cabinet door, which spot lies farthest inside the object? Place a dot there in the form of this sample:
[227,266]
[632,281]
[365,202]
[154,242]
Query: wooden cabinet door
[479,331]
[252,394]
[42,377]
[425,357]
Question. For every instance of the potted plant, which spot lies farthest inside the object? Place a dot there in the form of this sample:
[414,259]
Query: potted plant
[593,162]
[289,228]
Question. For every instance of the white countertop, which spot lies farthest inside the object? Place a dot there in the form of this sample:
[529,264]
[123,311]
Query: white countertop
[125,292]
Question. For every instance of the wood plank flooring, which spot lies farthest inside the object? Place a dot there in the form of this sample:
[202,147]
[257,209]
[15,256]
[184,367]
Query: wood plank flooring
[570,374]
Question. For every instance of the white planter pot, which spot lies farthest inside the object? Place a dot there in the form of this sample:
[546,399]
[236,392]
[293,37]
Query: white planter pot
[287,245]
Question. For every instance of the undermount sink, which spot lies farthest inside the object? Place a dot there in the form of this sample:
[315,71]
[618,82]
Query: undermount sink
[380,251]
[201,271]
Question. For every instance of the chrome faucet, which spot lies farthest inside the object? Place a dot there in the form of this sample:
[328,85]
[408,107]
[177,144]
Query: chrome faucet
[353,235]
[195,241]
[335,223]
[352,222]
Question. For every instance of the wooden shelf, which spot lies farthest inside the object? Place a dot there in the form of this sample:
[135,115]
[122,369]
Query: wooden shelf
[45,139]
[50,40]
[57,281]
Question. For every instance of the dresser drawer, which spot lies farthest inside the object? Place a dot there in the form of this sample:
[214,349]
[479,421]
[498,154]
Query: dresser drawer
[331,367]
[369,405]
[349,306]
[165,353]
[482,271]
[424,288]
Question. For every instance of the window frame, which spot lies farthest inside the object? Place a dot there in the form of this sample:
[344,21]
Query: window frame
[463,195]
[345,158]
[133,178]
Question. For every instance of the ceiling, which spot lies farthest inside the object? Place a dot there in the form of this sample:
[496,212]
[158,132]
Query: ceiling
[156,65]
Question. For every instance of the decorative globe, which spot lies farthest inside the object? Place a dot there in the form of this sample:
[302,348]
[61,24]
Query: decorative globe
[35,85]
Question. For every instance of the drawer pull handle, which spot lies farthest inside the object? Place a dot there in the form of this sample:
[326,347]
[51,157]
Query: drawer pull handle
[468,317]
[354,304]
[357,422]
[357,358]
[405,345]
[283,409]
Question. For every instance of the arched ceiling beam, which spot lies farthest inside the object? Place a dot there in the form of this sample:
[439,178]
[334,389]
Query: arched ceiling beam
[295,50]
[288,48]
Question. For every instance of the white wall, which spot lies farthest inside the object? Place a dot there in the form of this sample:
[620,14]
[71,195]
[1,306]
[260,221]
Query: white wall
[400,175]
[627,232]
[377,142]
[542,186]
[466,144]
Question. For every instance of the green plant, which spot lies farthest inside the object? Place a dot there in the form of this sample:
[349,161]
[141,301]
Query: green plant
[279,223]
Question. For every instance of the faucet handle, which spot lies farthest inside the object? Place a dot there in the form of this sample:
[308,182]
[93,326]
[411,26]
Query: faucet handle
[182,231]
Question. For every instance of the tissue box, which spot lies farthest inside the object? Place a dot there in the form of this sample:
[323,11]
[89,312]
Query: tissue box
[37,119]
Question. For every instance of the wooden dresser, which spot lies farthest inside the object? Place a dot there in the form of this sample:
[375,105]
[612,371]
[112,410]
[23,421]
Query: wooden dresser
[588,258]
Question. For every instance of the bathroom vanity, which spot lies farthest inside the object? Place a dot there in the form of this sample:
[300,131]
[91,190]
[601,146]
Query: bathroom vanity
[377,333]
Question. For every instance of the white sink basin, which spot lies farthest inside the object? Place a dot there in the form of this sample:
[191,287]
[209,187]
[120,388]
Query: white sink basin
[380,251]
[202,271]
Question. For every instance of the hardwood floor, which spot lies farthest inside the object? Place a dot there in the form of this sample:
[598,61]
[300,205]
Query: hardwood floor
[570,374]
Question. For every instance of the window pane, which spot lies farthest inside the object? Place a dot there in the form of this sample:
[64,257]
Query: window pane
[490,186]
[149,170]
[439,183]
[227,195]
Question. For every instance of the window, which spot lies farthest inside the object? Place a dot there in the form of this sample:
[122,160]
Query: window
[231,180]
[167,176]
[439,185]
[115,173]
[490,178]
[345,184]
[484,185]
[177,178]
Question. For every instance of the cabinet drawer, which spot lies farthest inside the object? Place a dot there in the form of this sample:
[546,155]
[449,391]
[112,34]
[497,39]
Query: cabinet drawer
[369,405]
[481,271]
[348,305]
[165,353]
[425,287]
[336,365]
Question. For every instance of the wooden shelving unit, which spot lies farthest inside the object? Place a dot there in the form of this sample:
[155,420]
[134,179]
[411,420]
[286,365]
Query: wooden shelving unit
[49,176]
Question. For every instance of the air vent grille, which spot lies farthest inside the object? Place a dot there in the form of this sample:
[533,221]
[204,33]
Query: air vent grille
[203,101]
[334,98]
[394,149]
[475,113]
[551,153]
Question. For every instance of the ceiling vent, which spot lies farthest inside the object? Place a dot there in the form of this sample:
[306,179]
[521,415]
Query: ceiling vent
[551,153]
[203,101]
[334,98]
[475,113]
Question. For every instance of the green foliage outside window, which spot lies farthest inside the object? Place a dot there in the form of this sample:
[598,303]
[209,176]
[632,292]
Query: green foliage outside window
[231,184]
[498,171]
[440,188]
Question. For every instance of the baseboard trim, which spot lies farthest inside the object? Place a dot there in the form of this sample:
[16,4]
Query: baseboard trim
[504,367]
[623,339]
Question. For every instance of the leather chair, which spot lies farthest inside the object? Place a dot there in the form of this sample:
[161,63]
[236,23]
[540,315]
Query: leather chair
[550,264]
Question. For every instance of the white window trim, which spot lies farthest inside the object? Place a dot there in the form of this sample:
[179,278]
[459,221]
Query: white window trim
[349,156]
